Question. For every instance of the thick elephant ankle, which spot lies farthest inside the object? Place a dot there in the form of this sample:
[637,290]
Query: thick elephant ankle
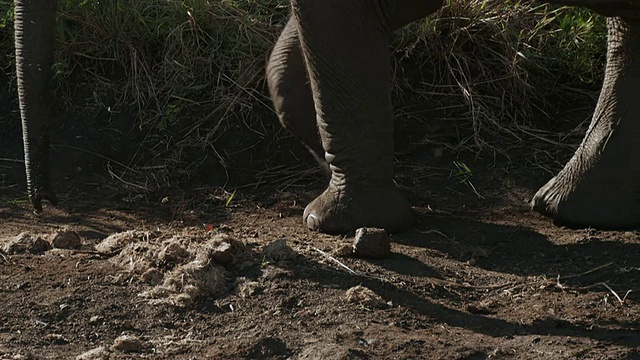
[615,206]
[341,211]
[600,185]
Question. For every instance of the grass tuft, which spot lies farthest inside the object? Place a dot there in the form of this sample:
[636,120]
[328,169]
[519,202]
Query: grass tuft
[496,73]
[499,71]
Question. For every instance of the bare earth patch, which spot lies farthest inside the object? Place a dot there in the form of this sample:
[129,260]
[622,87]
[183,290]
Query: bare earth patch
[476,278]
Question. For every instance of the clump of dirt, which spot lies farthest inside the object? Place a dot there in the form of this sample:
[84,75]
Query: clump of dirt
[66,239]
[188,282]
[115,242]
[279,250]
[364,296]
[99,353]
[24,243]
[181,268]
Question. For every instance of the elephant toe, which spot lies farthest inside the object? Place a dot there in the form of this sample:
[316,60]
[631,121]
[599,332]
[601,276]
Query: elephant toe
[39,196]
[312,221]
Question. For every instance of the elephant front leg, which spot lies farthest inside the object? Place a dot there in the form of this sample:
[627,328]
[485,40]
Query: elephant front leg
[289,84]
[345,44]
[34,25]
[600,185]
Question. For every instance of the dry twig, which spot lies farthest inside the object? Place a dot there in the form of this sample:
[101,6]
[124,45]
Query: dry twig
[337,261]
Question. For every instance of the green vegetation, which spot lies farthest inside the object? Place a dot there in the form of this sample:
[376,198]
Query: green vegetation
[501,67]
[196,66]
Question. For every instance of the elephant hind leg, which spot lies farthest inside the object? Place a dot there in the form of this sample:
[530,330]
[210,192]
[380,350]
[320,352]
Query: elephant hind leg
[291,93]
[600,186]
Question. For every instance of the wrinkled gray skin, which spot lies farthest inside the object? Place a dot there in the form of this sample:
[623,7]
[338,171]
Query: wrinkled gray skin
[600,185]
[329,77]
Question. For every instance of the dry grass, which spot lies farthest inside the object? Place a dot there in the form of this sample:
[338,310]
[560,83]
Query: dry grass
[504,70]
[193,70]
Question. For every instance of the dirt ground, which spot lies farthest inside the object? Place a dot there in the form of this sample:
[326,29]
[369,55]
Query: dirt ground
[193,273]
[479,276]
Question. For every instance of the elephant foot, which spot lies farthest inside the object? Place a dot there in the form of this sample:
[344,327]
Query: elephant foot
[600,186]
[40,194]
[604,200]
[339,211]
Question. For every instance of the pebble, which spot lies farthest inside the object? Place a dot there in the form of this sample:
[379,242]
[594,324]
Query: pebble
[96,320]
[99,353]
[66,239]
[127,325]
[279,250]
[372,242]
[127,344]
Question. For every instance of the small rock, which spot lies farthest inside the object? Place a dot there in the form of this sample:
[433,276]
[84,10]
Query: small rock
[23,285]
[372,242]
[152,276]
[39,246]
[365,297]
[64,312]
[127,325]
[25,243]
[66,239]
[127,344]
[95,320]
[99,353]
[57,339]
[279,250]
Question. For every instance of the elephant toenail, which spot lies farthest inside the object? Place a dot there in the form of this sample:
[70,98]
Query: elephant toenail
[313,223]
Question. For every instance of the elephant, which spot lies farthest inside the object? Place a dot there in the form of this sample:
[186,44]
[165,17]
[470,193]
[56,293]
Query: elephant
[329,79]
[34,25]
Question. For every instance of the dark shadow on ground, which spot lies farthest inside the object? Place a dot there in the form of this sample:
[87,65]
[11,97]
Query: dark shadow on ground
[306,269]
[519,250]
